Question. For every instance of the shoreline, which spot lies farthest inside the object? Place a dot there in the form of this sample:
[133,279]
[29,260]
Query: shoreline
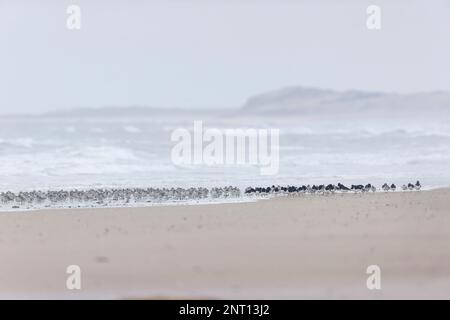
[202,202]
[140,205]
[280,248]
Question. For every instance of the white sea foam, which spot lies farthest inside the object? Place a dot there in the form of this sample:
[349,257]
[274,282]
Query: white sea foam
[131,129]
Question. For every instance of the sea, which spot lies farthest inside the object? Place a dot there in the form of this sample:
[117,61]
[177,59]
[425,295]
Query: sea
[49,152]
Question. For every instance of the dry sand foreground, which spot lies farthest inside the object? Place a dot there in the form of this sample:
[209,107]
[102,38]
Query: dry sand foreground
[305,247]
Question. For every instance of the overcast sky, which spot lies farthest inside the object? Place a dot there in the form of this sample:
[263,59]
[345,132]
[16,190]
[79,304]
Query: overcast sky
[199,53]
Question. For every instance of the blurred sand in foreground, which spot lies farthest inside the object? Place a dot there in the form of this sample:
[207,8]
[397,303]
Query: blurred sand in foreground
[300,247]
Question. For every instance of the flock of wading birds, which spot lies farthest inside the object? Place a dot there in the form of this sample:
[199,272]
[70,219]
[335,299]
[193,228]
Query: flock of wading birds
[105,197]
[330,188]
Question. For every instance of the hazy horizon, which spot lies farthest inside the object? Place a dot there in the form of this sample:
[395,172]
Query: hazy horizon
[277,91]
[199,54]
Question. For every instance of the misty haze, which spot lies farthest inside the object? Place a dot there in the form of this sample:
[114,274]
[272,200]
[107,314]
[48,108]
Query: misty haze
[349,101]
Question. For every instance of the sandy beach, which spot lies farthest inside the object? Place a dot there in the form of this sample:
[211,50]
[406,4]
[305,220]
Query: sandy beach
[287,247]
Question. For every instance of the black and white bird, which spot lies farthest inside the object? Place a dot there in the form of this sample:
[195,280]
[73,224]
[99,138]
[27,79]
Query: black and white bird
[342,188]
[417,186]
[357,188]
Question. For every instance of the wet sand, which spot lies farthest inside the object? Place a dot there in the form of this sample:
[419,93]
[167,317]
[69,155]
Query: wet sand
[287,247]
